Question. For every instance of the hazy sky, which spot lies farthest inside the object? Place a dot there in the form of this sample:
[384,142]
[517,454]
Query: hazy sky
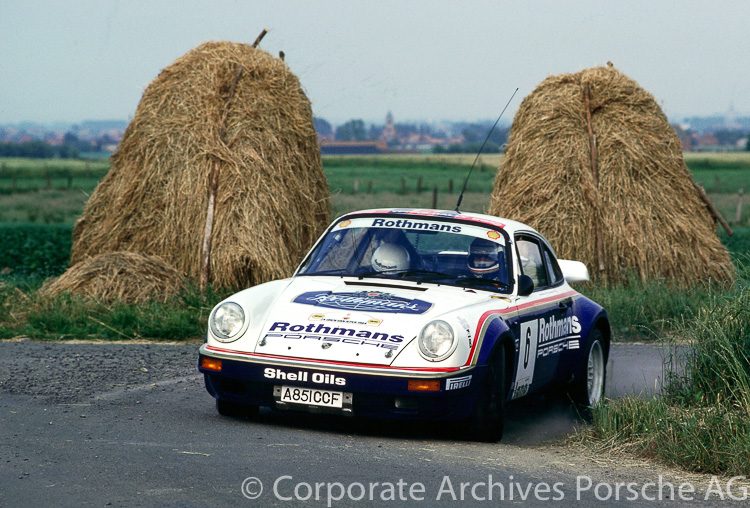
[423,60]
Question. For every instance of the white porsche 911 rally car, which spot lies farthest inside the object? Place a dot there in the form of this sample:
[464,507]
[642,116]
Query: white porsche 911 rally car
[411,314]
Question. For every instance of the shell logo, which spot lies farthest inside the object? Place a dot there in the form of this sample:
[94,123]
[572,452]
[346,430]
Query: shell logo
[494,235]
[344,223]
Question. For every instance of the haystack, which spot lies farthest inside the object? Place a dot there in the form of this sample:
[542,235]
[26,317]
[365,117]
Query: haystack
[119,276]
[225,119]
[633,207]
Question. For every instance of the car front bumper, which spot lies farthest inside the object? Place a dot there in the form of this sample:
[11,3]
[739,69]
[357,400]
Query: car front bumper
[369,392]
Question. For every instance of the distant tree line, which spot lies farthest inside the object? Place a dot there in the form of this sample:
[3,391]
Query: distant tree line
[71,148]
[37,150]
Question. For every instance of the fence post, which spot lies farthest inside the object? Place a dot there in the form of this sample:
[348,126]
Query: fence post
[356,185]
[738,215]
[369,187]
[450,186]
[434,197]
[419,184]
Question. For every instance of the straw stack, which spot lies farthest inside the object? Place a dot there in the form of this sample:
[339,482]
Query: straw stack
[593,164]
[225,120]
[119,276]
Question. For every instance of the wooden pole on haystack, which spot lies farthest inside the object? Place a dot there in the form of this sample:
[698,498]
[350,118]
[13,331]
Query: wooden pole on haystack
[214,180]
[260,37]
[595,171]
[214,185]
[710,205]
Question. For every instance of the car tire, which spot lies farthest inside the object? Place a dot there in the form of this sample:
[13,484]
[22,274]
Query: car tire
[588,389]
[235,409]
[488,417]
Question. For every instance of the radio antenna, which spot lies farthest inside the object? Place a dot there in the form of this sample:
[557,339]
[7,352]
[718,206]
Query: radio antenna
[461,196]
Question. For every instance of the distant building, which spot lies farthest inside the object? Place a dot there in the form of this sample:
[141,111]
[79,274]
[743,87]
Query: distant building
[707,142]
[389,131]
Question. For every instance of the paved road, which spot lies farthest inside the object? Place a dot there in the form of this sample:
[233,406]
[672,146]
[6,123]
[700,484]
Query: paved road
[132,425]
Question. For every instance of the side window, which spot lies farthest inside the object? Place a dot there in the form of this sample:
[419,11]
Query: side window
[553,269]
[532,264]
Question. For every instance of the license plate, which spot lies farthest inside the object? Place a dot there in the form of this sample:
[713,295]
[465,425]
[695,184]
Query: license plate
[311,397]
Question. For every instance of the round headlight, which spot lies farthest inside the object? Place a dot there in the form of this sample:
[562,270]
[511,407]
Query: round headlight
[436,341]
[226,321]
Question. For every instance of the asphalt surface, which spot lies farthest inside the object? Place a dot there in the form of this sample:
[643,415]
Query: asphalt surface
[132,425]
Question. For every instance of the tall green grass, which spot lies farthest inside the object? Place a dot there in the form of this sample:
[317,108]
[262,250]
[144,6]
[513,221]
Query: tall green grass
[646,310]
[701,422]
[24,313]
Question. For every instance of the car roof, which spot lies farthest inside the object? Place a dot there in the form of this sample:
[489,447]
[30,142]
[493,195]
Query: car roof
[510,226]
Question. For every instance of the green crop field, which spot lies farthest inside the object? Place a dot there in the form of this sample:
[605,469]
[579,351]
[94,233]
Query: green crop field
[33,190]
[36,225]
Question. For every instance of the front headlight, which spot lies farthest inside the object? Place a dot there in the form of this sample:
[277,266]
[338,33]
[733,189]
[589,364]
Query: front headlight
[226,321]
[436,341]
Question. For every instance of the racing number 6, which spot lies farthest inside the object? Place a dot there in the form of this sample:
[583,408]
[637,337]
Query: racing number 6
[528,348]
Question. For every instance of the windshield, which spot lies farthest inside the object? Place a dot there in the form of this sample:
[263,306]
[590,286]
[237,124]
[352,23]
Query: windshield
[422,250]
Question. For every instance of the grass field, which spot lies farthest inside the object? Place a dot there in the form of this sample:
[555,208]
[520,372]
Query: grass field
[638,310]
[56,191]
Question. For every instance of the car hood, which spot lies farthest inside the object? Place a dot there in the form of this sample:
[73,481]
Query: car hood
[350,320]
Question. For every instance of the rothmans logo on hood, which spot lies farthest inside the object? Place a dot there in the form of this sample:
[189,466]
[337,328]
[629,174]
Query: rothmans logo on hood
[364,301]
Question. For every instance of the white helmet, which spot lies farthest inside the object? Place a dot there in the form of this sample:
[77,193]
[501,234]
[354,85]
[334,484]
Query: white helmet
[389,257]
[483,257]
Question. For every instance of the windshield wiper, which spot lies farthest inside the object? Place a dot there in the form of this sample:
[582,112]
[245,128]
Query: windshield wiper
[333,271]
[478,281]
[408,273]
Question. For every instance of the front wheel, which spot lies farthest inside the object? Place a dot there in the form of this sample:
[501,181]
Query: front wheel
[488,416]
[588,390]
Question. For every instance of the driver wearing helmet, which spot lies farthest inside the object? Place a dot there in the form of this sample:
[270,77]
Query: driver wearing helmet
[390,257]
[484,259]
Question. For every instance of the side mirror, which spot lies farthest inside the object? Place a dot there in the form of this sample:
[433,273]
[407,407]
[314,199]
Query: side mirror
[573,271]
[525,285]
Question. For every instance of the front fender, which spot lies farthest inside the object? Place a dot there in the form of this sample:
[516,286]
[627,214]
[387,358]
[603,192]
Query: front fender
[497,333]
[494,330]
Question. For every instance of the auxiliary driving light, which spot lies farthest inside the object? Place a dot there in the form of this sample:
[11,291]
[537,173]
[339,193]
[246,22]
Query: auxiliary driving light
[211,364]
[424,385]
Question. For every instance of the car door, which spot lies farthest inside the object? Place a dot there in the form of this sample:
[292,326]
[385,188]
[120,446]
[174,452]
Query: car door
[543,320]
